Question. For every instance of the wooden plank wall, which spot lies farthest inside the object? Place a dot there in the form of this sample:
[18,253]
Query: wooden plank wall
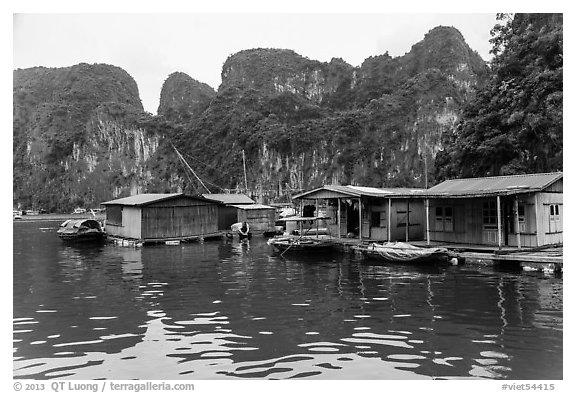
[468,220]
[131,222]
[546,234]
[159,222]
[259,220]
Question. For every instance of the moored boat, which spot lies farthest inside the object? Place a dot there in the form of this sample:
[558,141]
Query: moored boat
[300,244]
[83,230]
[405,253]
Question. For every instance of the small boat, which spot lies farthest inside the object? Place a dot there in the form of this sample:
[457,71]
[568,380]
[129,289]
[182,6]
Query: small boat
[406,253]
[84,230]
[300,244]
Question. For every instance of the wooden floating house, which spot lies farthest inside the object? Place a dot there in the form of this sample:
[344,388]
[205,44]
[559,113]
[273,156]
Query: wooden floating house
[227,210]
[514,211]
[260,218]
[502,211]
[367,213]
[153,218]
[235,208]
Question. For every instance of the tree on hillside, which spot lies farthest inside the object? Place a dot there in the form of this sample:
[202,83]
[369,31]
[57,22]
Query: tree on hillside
[514,123]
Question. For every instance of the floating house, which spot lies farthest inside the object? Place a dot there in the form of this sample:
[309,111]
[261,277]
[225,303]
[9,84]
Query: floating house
[162,217]
[367,213]
[235,208]
[518,211]
[260,218]
[227,208]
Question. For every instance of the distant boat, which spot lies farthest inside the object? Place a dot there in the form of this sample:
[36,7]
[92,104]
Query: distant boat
[83,230]
[404,253]
[79,210]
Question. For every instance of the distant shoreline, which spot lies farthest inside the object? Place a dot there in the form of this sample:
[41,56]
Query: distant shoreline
[58,217]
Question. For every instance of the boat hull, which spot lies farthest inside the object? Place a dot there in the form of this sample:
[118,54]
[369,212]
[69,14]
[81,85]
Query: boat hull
[82,230]
[405,253]
[91,237]
[300,245]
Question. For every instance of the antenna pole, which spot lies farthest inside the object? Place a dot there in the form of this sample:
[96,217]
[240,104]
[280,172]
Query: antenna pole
[245,178]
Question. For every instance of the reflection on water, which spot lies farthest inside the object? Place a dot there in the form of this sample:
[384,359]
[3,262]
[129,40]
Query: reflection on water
[221,310]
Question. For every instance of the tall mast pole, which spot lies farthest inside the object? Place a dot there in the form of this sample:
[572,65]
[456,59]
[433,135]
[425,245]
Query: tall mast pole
[245,178]
[191,170]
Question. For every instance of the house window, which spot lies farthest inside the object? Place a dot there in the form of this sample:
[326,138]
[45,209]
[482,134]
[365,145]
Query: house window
[114,214]
[490,215]
[444,219]
[378,219]
[554,219]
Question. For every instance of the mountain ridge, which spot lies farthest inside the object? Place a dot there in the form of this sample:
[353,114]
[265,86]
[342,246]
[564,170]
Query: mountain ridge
[300,122]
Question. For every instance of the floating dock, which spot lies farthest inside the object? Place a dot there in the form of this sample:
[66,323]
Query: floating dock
[549,258]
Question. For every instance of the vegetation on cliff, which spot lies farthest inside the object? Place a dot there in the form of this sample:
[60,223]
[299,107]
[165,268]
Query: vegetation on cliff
[514,123]
[183,98]
[81,136]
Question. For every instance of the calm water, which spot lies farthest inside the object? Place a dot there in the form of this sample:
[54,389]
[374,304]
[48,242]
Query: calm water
[224,310]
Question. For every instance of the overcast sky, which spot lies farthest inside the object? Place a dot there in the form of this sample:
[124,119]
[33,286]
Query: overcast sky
[152,46]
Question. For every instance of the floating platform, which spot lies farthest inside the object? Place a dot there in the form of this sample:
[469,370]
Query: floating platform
[128,242]
[546,258]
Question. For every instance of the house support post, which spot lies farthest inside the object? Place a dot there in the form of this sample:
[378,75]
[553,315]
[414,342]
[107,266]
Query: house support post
[427,202]
[517,217]
[537,221]
[317,215]
[360,218]
[407,220]
[389,218]
[339,222]
[499,215]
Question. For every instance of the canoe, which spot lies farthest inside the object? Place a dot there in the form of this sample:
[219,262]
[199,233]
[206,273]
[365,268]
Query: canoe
[405,253]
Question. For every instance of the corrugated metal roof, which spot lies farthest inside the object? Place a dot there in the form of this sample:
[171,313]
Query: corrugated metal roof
[145,199]
[356,191]
[503,185]
[254,206]
[230,199]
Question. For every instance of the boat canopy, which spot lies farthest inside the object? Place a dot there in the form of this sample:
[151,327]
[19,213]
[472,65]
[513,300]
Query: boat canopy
[76,224]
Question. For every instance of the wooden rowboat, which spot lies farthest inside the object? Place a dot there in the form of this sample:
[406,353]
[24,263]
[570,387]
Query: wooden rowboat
[300,244]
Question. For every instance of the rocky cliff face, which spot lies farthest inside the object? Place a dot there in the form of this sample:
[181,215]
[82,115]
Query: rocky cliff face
[304,123]
[81,136]
[77,139]
[276,71]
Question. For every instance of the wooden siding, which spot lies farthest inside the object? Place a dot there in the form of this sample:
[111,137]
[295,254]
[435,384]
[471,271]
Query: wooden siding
[259,220]
[227,215]
[556,187]
[398,219]
[469,228]
[380,233]
[164,222]
[130,226]
[547,233]
[377,232]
